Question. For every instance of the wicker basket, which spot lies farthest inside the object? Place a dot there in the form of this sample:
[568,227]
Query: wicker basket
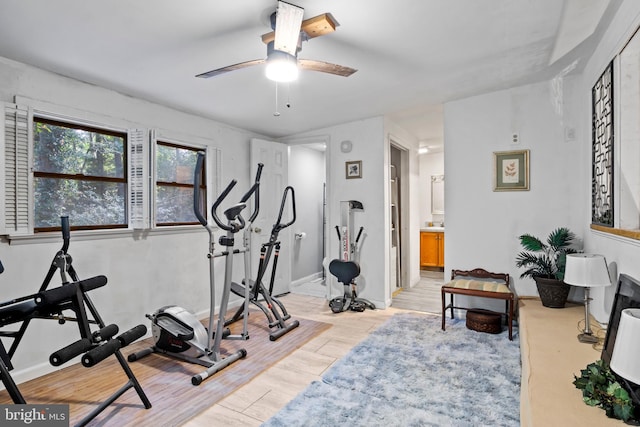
[484,321]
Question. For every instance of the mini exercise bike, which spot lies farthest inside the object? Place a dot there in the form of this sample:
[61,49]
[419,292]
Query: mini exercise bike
[347,269]
[176,331]
[272,308]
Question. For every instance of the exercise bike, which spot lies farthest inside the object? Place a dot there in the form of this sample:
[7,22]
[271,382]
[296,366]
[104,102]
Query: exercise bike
[273,309]
[177,332]
[347,269]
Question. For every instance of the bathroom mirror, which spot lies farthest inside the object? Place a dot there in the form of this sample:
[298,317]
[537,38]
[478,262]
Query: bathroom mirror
[437,194]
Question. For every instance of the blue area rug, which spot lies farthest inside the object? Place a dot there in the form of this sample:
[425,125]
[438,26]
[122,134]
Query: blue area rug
[411,373]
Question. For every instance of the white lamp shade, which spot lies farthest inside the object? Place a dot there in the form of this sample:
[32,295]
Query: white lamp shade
[626,350]
[586,270]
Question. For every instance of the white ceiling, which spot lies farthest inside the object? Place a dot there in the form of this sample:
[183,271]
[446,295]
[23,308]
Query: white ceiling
[411,55]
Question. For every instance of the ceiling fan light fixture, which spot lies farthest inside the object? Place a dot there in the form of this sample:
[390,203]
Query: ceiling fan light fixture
[281,67]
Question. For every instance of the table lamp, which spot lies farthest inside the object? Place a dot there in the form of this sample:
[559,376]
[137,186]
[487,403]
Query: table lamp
[586,271]
[624,360]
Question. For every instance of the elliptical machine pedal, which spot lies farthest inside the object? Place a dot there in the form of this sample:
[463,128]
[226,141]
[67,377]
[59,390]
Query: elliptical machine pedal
[337,304]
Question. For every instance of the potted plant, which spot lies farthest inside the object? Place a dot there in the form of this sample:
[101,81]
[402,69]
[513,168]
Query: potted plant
[545,263]
[600,388]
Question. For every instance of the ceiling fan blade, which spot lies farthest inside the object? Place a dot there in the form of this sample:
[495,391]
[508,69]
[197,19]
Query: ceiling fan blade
[228,68]
[288,22]
[319,25]
[326,67]
[313,27]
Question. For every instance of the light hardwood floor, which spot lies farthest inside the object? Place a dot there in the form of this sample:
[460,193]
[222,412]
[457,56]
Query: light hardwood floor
[424,296]
[265,395]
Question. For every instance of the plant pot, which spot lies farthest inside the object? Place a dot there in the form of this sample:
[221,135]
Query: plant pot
[553,292]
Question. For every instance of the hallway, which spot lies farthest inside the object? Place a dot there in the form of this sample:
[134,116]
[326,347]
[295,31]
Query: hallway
[424,296]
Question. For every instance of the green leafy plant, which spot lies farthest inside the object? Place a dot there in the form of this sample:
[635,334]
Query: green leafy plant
[545,259]
[600,388]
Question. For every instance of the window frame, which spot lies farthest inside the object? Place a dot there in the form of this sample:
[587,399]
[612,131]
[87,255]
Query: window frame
[622,227]
[167,142]
[38,118]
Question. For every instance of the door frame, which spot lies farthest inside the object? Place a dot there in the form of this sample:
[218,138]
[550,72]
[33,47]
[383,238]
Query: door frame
[404,208]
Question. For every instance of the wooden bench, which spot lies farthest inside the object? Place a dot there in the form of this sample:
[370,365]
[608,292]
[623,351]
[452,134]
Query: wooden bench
[479,283]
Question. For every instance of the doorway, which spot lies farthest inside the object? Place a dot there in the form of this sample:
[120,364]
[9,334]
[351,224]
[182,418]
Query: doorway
[398,216]
[307,175]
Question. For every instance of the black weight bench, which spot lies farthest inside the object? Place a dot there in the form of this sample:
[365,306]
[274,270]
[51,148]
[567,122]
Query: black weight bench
[67,302]
[98,345]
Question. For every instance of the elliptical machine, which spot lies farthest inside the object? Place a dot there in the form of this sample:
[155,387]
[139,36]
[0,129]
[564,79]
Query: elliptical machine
[347,268]
[176,331]
[272,308]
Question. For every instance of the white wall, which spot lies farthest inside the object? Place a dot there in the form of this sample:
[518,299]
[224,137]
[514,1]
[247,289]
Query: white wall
[145,270]
[307,177]
[622,253]
[482,225]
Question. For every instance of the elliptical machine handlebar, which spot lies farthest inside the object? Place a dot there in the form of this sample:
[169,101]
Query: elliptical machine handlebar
[197,176]
[279,225]
[255,188]
[196,197]
[197,209]
[219,200]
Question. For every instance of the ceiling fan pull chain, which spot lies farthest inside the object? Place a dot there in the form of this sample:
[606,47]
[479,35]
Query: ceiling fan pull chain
[276,113]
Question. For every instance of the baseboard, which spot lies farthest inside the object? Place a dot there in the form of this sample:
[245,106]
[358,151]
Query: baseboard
[307,279]
[27,374]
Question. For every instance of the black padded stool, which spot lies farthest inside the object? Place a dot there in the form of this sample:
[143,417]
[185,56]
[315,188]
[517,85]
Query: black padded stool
[346,272]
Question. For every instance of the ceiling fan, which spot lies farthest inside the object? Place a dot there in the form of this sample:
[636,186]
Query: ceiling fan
[285,42]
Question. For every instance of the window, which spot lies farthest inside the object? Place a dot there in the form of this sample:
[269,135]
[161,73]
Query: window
[628,188]
[623,213]
[79,171]
[102,176]
[175,166]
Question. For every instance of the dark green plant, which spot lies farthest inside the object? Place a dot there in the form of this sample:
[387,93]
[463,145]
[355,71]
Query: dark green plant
[545,259]
[600,388]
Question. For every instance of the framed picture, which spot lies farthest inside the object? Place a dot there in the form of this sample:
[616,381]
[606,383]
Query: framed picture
[353,169]
[511,170]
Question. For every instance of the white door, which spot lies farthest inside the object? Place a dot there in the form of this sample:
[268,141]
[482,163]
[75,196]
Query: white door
[274,156]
